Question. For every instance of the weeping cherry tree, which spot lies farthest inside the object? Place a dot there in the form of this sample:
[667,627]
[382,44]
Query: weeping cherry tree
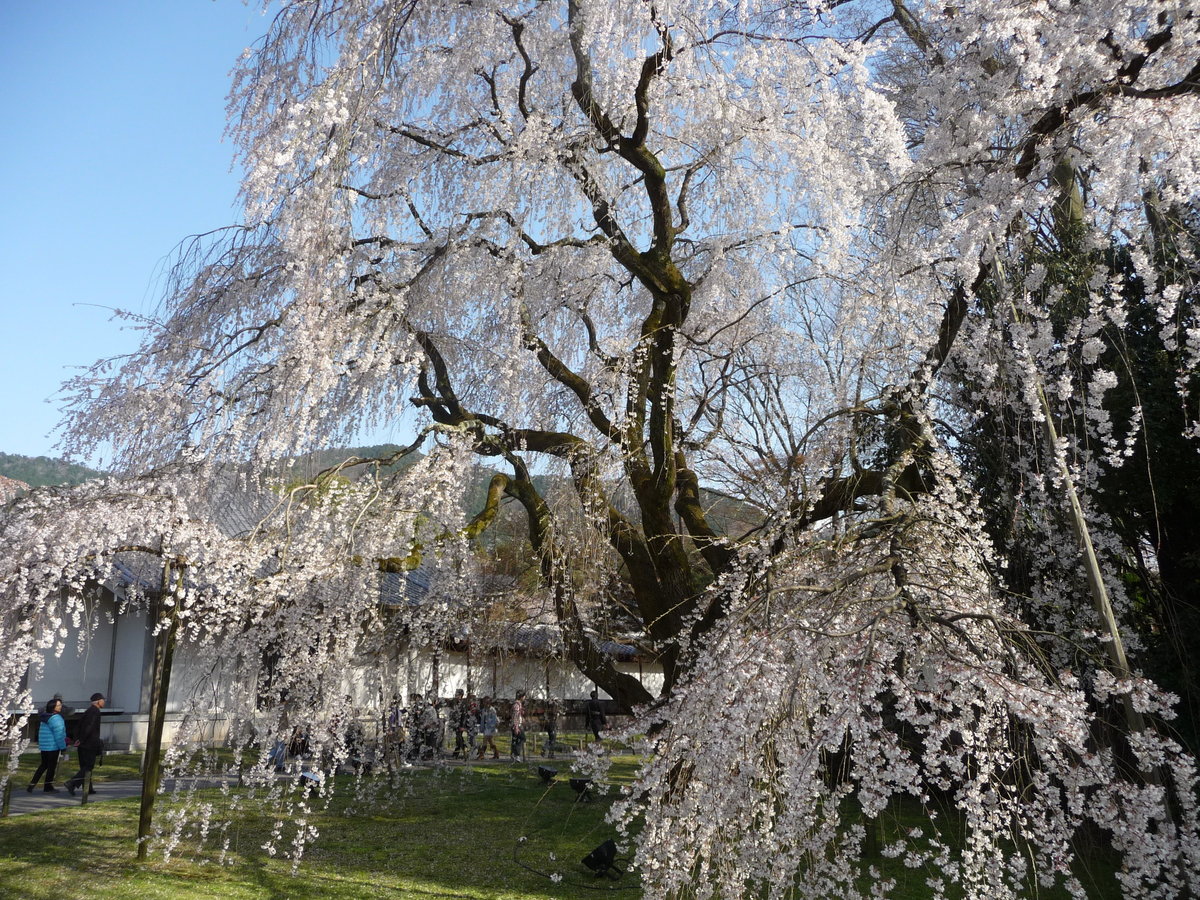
[691,256]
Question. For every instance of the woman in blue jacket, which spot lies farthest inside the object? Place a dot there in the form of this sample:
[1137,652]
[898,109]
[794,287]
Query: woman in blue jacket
[52,740]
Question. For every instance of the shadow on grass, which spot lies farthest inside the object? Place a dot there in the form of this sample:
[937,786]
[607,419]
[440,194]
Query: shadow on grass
[460,834]
[452,834]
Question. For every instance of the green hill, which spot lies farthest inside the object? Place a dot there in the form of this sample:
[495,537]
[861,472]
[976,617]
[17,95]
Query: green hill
[38,471]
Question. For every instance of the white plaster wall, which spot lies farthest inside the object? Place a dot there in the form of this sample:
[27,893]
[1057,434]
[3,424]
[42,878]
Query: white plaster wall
[128,733]
[650,674]
[571,684]
[202,690]
[199,684]
[129,661]
[455,674]
[484,674]
[368,681]
[79,671]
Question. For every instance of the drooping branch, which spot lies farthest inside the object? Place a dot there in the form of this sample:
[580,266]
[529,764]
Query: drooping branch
[632,149]
[577,384]
[580,646]
[1051,121]
[529,69]
[712,546]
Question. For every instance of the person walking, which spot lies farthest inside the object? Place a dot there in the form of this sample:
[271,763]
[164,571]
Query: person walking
[459,720]
[472,724]
[517,750]
[90,745]
[551,722]
[393,733]
[432,737]
[52,740]
[489,721]
[413,738]
[594,714]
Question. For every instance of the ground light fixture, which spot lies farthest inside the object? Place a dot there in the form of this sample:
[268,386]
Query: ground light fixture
[603,860]
[546,774]
[582,787]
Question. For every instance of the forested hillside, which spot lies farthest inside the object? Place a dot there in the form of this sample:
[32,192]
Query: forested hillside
[37,471]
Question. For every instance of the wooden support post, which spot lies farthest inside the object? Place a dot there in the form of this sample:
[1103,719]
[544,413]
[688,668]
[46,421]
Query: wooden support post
[1118,664]
[164,652]
[872,841]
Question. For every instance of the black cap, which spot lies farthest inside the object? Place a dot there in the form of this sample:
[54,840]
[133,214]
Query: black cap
[98,696]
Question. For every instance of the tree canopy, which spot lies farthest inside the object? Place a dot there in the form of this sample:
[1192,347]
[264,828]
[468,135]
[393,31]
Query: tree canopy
[820,259]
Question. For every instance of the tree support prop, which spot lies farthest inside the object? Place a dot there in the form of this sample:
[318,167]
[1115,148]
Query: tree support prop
[1118,662]
[164,652]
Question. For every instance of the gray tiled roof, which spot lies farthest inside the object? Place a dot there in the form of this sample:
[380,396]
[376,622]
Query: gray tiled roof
[10,488]
[237,508]
[404,588]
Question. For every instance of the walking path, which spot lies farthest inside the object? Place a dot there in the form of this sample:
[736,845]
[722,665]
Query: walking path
[22,801]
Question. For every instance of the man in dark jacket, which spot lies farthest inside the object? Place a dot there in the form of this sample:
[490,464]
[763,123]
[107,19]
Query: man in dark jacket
[594,714]
[458,721]
[90,744]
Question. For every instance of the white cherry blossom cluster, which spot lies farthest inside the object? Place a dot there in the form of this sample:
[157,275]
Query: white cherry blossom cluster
[815,727]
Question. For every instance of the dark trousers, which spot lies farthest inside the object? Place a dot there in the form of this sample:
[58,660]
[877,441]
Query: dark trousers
[518,745]
[48,765]
[87,762]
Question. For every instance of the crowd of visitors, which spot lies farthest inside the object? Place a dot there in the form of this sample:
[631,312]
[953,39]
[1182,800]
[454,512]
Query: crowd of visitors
[417,732]
[468,725]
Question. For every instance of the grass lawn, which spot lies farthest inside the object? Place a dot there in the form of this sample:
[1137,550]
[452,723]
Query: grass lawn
[115,767]
[489,831]
[450,833]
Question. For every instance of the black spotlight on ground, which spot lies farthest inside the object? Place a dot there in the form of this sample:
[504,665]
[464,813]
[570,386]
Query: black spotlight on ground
[546,774]
[582,787]
[603,860]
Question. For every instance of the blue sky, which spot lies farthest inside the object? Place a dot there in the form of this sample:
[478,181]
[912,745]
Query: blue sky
[112,153]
